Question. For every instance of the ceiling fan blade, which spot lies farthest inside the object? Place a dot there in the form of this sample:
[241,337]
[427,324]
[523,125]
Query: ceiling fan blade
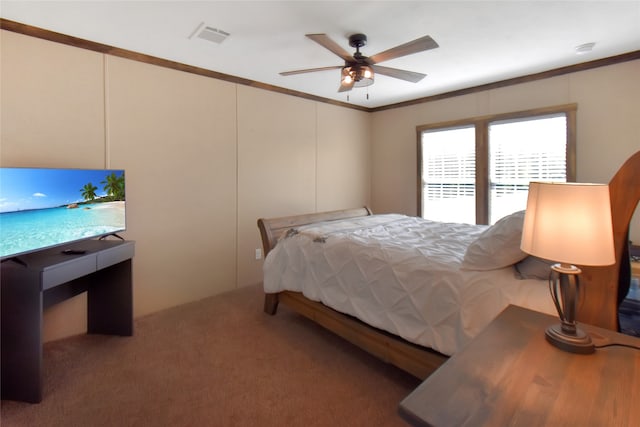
[410,76]
[417,45]
[324,41]
[310,70]
[346,87]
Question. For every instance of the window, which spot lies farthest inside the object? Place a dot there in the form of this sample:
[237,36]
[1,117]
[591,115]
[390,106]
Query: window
[449,174]
[478,170]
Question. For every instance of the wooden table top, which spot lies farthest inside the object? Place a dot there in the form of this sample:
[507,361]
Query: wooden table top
[510,375]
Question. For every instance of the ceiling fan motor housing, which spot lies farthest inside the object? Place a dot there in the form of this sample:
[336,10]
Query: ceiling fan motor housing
[357,40]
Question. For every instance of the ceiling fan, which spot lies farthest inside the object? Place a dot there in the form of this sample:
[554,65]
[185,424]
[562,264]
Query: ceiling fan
[359,70]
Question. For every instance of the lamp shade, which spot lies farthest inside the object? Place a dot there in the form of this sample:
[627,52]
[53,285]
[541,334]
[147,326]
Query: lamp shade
[569,223]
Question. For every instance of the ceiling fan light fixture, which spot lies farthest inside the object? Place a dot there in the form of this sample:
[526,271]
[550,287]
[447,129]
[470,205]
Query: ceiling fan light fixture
[362,75]
[347,76]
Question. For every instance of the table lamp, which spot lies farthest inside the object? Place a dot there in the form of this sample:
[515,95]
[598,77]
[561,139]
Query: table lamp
[568,223]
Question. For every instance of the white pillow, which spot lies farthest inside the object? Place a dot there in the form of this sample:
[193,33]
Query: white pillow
[498,246]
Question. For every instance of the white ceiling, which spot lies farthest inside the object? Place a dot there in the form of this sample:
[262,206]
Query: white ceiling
[480,41]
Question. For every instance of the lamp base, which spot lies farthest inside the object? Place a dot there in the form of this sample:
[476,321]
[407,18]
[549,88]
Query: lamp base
[579,343]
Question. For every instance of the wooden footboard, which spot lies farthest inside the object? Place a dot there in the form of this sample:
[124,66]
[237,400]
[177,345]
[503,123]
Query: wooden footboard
[416,360]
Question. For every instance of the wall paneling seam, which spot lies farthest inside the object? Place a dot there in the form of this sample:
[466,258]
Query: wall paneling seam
[315,133]
[105,112]
[237,189]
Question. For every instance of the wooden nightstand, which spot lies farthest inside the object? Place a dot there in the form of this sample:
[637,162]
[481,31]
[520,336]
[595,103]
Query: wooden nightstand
[510,375]
[635,269]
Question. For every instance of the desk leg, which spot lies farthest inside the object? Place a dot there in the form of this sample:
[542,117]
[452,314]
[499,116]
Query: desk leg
[110,301]
[21,335]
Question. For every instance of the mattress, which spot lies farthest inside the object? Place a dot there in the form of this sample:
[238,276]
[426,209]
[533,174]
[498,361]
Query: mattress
[400,274]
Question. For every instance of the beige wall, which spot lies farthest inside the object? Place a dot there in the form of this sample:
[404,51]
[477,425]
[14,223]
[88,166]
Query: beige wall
[204,159]
[608,129]
[174,134]
[301,157]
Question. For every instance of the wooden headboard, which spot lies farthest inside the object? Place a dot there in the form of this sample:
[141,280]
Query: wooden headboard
[600,284]
[271,229]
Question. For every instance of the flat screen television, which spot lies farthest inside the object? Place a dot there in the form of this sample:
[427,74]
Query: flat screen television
[43,208]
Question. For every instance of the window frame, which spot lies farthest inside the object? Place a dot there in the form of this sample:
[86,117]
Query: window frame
[481,125]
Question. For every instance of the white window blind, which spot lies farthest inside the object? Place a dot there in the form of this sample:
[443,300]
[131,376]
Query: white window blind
[448,175]
[521,151]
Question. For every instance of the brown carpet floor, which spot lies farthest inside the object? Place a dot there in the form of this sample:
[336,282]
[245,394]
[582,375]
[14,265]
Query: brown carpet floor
[216,362]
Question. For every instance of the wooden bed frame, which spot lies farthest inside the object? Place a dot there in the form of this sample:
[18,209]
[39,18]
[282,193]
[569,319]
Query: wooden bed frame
[599,305]
[418,361]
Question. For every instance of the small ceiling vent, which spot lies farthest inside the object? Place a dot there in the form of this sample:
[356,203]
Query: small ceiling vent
[211,34]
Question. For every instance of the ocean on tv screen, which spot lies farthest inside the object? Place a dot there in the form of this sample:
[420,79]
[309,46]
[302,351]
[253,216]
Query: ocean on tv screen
[40,208]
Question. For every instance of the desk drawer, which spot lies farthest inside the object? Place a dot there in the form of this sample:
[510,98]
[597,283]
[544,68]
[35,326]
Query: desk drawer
[115,255]
[67,271]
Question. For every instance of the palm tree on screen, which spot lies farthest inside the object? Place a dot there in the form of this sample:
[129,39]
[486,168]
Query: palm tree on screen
[114,186]
[89,191]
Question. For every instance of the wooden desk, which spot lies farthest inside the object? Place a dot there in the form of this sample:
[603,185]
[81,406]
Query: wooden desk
[39,280]
[510,375]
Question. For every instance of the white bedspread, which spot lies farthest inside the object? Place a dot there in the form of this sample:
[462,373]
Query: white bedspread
[400,274]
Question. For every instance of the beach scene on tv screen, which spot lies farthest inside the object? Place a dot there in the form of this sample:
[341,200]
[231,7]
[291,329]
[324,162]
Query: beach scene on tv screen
[47,207]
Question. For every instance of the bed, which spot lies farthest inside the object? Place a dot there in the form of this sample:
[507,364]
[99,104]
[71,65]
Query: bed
[404,346]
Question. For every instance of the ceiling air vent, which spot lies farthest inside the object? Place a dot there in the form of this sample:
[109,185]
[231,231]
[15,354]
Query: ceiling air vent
[211,34]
